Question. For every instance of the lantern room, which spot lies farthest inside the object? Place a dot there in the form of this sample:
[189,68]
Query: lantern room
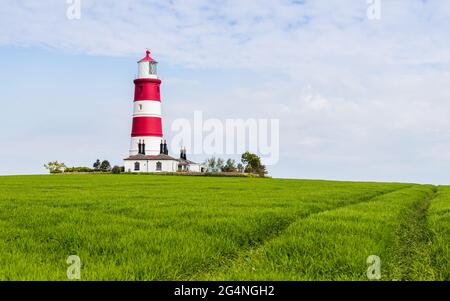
[147,67]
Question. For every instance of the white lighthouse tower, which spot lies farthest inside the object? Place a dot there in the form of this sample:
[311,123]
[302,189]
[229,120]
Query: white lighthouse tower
[147,123]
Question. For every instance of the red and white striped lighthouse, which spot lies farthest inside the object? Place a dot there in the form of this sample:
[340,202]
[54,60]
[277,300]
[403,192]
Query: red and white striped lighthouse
[146,133]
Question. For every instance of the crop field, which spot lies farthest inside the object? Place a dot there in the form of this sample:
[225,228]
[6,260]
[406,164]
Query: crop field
[155,227]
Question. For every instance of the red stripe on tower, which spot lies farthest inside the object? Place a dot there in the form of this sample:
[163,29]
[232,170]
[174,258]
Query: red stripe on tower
[146,126]
[147,89]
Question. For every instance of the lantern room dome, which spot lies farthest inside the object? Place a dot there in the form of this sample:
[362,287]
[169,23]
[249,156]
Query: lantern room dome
[147,57]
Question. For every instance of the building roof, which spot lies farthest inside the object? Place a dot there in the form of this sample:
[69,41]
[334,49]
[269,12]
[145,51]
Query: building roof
[147,57]
[186,162]
[150,157]
[159,157]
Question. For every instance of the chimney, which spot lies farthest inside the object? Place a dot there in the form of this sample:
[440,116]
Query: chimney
[143,147]
[140,147]
[166,151]
[161,147]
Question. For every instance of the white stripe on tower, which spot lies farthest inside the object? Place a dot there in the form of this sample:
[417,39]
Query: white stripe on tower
[147,108]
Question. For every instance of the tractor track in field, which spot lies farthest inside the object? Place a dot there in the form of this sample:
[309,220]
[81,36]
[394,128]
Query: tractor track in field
[413,247]
[228,261]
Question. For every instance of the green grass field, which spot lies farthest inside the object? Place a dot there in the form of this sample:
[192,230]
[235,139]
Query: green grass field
[150,227]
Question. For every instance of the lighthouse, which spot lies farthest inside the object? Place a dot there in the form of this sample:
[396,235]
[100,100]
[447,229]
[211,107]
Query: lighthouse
[148,150]
[146,130]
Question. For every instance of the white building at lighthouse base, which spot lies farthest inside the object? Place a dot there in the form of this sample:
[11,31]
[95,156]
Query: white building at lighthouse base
[160,163]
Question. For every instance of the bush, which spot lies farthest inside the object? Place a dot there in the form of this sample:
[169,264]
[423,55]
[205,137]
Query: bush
[78,169]
[116,170]
[84,169]
[55,167]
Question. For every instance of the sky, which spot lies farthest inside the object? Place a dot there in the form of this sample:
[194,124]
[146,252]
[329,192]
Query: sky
[357,97]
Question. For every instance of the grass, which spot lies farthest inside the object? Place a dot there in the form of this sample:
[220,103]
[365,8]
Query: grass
[332,245]
[149,227]
[439,225]
[413,254]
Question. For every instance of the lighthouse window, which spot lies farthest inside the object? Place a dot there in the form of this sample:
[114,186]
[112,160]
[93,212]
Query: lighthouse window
[152,68]
[158,166]
[137,166]
[140,107]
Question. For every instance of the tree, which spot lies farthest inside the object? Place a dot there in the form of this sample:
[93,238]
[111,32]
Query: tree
[55,167]
[211,163]
[219,165]
[105,166]
[230,166]
[262,171]
[240,167]
[214,165]
[250,161]
[97,164]
[252,164]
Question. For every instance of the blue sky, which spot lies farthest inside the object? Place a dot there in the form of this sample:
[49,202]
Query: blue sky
[357,99]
